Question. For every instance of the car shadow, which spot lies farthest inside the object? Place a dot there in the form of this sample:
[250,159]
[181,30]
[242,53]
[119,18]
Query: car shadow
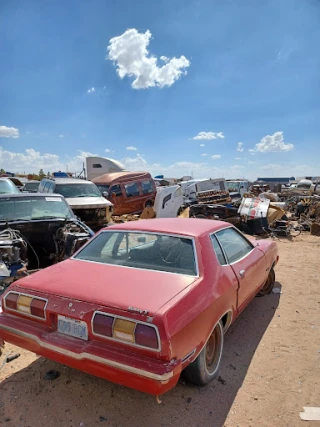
[79,399]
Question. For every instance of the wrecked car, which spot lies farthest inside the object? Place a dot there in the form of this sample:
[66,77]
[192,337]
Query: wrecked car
[162,294]
[36,230]
[84,198]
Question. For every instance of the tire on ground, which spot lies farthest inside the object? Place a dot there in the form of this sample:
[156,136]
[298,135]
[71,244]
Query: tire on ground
[206,366]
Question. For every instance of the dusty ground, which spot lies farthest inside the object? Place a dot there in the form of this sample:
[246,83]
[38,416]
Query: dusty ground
[270,369]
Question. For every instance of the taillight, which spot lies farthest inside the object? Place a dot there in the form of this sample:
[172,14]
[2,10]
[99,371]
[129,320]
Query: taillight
[126,330]
[26,304]
[102,325]
[11,300]
[37,308]
[146,336]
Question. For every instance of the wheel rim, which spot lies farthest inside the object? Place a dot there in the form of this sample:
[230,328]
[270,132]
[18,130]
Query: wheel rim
[213,347]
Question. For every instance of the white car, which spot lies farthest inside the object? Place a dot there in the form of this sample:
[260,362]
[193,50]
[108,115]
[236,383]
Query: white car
[84,198]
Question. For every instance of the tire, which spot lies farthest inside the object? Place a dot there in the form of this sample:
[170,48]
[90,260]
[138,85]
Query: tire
[268,286]
[206,366]
[201,216]
[148,204]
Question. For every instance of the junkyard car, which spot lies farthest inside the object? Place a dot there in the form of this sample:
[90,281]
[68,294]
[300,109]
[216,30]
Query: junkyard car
[36,230]
[8,187]
[31,186]
[142,301]
[84,198]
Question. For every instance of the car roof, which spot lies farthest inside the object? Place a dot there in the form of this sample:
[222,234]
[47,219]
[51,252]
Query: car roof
[107,178]
[192,227]
[68,180]
[21,195]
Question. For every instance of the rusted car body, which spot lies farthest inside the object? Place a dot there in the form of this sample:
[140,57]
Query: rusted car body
[130,192]
[142,301]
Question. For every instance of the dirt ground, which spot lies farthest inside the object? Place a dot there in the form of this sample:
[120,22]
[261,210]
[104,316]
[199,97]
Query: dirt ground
[270,369]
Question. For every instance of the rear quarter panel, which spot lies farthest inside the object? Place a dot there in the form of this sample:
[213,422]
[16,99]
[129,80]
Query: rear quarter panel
[190,317]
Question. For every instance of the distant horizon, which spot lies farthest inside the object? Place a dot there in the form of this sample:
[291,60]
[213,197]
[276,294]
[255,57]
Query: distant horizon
[210,88]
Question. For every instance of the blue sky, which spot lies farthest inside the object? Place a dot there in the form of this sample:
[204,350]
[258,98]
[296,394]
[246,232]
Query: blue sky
[244,72]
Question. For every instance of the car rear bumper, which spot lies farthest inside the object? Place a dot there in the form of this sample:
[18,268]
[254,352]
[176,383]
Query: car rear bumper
[102,360]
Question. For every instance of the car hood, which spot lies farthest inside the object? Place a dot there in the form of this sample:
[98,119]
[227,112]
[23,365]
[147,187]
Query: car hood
[88,202]
[108,285]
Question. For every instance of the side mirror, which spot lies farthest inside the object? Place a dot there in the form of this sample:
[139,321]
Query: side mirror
[105,194]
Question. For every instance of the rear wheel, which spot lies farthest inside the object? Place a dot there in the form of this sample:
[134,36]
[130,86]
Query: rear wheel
[149,204]
[268,286]
[205,367]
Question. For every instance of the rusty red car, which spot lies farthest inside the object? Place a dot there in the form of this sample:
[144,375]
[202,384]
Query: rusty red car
[142,301]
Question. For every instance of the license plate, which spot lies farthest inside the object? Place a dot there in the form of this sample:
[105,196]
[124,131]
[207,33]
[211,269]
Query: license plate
[72,327]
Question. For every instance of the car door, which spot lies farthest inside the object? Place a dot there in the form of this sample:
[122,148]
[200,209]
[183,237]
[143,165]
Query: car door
[247,261]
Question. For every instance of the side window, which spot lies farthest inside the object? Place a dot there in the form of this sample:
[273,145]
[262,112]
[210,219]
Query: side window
[146,187]
[96,166]
[116,189]
[132,189]
[234,244]
[217,248]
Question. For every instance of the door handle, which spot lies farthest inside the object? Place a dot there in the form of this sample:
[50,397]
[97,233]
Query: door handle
[242,273]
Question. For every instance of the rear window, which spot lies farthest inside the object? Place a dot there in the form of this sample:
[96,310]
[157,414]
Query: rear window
[132,189]
[141,250]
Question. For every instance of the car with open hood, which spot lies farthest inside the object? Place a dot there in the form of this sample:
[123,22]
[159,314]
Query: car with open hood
[142,302]
[36,231]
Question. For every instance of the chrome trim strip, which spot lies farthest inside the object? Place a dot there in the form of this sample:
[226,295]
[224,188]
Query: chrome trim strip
[115,316]
[84,355]
[183,236]
[23,312]
[187,356]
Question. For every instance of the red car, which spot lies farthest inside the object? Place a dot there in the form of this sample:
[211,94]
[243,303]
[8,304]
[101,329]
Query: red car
[142,301]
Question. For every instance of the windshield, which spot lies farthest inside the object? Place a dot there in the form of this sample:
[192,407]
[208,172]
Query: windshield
[31,186]
[7,187]
[103,187]
[28,208]
[233,186]
[141,250]
[87,189]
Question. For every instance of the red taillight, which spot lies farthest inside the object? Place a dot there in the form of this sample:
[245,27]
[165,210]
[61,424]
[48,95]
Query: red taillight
[102,325]
[11,301]
[146,336]
[37,307]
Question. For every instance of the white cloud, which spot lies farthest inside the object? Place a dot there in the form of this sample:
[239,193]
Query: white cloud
[91,90]
[129,53]
[216,156]
[61,136]
[240,147]
[272,143]
[209,135]
[6,132]
[204,154]
[31,161]
[237,167]
[107,150]
[251,163]
[131,148]
[202,145]
[238,158]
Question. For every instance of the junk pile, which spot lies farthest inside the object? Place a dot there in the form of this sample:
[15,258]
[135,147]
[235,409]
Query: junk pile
[257,214]
[307,212]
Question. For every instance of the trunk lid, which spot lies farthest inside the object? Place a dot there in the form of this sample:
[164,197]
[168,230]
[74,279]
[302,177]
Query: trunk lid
[108,285]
